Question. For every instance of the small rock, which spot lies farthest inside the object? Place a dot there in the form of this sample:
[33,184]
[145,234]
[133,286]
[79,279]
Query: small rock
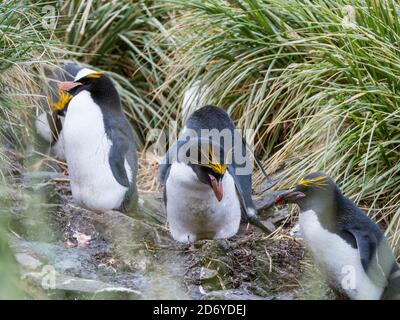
[82,239]
[27,261]
[232,295]
[43,175]
[207,274]
[74,261]
[66,283]
[285,296]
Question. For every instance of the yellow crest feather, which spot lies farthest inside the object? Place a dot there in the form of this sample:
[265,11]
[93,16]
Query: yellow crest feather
[94,75]
[317,181]
[213,164]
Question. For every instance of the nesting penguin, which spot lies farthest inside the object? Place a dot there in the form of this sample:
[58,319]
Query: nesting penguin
[349,247]
[49,124]
[205,199]
[99,144]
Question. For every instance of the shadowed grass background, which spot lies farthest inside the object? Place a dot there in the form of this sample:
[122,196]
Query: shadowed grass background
[317,81]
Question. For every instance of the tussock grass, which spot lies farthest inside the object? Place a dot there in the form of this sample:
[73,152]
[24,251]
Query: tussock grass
[25,47]
[120,37]
[318,81]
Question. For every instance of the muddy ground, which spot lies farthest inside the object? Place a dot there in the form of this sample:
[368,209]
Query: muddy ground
[66,252]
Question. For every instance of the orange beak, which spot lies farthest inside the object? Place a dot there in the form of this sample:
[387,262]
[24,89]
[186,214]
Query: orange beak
[217,187]
[68,85]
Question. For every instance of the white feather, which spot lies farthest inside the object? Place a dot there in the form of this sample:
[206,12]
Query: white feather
[338,259]
[194,97]
[83,73]
[43,129]
[87,150]
[58,148]
[194,212]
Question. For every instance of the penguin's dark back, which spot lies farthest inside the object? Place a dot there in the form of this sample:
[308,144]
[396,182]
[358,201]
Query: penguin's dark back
[119,131]
[67,73]
[353,218]
[71,71]
[350,215]
[106,96]
[210,117]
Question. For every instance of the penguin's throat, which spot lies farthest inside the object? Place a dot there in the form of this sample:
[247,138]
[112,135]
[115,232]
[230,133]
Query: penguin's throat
[324,210]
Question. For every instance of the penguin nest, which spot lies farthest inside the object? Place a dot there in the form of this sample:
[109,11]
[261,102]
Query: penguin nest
[147,180]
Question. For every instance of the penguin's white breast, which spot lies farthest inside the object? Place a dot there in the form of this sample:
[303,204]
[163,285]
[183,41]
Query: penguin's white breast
[87,150]
[43,127]
[193,210]
[58,147]
[339,259]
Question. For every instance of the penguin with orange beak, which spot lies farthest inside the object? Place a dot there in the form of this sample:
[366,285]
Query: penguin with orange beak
[207,177]
[99,144]
[347,245]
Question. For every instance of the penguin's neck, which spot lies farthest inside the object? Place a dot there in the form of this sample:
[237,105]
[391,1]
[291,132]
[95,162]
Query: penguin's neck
[327,212]
[106,97]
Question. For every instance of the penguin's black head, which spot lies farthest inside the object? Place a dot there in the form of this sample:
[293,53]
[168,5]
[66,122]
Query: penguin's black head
[98,84]
[314,191]
[87,81]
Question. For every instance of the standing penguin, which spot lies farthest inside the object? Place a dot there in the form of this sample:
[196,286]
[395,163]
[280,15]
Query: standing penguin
[99,144]
[350,248]
[205,199]
[49,124]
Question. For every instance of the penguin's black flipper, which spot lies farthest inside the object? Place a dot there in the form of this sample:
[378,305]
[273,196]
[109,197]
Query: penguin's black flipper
[116,157]
[165,166]
[117,167]
[247,206]
[166,162]
[376,256]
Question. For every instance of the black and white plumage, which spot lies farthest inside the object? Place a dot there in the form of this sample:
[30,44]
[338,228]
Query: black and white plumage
[99,144]
[205,201]
[49,123]
[349,247]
